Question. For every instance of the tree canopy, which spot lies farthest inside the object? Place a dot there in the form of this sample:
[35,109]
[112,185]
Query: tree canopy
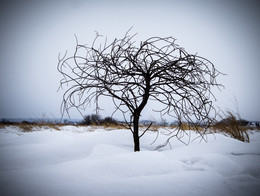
[132,74]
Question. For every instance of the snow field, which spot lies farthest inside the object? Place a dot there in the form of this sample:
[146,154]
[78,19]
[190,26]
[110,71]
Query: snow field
[79,161]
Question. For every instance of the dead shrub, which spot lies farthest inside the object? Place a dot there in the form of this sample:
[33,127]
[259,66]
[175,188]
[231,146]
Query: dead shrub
[231,126]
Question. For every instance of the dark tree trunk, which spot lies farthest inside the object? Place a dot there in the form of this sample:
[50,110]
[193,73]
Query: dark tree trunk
[138,111]
[136,133]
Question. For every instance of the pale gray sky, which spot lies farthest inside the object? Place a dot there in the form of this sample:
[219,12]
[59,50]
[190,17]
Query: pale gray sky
[32,33]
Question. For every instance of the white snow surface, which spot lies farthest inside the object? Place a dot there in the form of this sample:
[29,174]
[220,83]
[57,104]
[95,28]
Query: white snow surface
[80,161]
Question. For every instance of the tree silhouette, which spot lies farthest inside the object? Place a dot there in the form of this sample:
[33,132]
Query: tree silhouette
[132,74]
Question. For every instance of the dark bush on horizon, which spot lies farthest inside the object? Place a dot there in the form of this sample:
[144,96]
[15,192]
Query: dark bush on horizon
[95,119]
[110,121]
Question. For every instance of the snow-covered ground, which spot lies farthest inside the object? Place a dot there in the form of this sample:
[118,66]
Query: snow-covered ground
[79,161]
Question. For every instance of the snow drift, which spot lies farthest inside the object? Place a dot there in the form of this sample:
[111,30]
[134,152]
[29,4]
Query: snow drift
[77,161]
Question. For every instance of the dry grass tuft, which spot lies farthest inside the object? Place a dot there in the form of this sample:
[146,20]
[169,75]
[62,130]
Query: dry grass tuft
[185,127]
[26,126]
[231,126]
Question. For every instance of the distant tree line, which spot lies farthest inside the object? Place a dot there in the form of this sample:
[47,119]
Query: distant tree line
[95,119]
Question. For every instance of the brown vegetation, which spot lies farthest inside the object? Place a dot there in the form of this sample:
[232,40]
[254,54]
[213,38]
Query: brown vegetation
[233,127]
[230,125]
[26,126]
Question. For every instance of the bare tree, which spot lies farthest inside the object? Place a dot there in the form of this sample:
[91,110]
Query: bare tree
[130,74]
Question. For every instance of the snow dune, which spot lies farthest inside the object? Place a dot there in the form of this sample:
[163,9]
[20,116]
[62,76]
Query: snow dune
[77,161]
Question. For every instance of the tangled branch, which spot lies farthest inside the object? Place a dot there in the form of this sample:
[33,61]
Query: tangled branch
[132,74]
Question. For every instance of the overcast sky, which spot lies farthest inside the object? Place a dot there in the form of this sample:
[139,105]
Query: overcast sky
[33,33]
